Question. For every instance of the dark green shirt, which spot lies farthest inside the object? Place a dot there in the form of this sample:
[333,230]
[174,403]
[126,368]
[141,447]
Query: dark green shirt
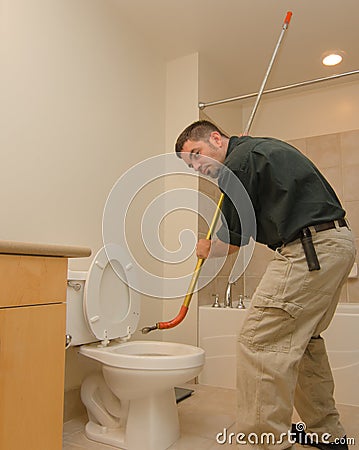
[287,191]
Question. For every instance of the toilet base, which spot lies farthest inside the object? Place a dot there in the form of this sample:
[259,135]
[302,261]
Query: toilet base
[152,424]
[110,436]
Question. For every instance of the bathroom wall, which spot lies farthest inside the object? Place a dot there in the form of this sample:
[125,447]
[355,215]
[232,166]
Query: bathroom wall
[84,98]
[181,109]
[323,122]
[82,101]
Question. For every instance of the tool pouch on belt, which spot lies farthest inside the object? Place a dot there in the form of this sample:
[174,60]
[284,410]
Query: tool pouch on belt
[309,250]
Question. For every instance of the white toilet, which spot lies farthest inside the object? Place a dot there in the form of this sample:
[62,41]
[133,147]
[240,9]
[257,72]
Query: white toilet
[132,404]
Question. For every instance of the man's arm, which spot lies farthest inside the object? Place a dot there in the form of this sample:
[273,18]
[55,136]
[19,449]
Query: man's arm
[214,248]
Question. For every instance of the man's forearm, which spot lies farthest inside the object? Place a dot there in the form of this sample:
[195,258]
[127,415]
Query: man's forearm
[214,248]
[220,248]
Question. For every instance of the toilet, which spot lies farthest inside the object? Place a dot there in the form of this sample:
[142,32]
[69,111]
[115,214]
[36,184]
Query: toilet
[131,403]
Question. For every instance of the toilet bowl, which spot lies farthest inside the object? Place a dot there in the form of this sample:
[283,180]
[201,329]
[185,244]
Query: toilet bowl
[131,404]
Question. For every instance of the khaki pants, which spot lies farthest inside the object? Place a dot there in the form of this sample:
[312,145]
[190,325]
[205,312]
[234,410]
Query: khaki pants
[282,360]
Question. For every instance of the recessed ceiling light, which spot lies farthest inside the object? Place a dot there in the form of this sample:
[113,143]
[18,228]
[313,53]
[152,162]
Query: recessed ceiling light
[332,59]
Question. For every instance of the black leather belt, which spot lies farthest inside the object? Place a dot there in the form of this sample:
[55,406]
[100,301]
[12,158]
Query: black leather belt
[321,227]
[305,236]
[329,225]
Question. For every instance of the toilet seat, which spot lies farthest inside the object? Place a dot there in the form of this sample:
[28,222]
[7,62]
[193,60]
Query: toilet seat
[147,355]
[111,309]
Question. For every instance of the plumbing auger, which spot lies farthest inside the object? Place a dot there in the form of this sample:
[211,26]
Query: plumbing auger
[184,308]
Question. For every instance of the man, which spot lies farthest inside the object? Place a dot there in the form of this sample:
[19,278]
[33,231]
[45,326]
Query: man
[282,359]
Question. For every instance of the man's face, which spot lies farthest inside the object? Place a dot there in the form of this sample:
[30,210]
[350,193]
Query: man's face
[205,157]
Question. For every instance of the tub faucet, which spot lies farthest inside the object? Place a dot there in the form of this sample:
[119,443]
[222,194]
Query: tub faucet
[228,295]
[216,301]
[241,304]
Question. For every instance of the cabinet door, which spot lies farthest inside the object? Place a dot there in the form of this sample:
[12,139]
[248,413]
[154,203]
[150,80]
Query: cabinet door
[32,280]
[32,359]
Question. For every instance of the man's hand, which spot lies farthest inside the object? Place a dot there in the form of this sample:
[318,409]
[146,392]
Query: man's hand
[214,248]
[203,248]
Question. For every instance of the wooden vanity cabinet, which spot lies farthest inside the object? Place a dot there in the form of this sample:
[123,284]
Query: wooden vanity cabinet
[32,351]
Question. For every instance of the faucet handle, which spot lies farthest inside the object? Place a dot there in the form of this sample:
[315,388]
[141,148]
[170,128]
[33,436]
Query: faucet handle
[241,304]
[216,301]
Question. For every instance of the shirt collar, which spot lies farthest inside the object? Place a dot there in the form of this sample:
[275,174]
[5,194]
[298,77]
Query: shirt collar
[233,142]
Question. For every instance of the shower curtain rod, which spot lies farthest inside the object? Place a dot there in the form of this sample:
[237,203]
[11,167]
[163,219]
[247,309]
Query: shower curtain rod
[278,89]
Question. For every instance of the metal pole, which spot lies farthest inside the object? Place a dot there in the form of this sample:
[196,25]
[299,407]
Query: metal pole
[277,89]
[261,89]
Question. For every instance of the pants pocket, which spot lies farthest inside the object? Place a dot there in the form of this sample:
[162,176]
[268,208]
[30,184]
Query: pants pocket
[275,277]
[270,325]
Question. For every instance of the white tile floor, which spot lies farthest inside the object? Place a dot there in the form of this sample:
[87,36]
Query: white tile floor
[202,416]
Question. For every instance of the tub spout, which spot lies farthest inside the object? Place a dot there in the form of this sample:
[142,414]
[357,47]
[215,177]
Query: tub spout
[228,295]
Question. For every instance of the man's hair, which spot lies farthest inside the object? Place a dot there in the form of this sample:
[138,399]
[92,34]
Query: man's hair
[197,131]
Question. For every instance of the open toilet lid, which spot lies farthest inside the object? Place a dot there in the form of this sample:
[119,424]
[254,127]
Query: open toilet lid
[112,310]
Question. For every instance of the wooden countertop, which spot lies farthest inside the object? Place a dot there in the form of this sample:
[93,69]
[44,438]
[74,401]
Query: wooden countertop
[34,249]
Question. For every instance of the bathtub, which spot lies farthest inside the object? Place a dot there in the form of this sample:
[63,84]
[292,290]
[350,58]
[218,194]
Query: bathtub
[218,328]
[342,344]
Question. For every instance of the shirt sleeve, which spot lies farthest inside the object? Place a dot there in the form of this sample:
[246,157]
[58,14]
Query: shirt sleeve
[230,237]
[238,218]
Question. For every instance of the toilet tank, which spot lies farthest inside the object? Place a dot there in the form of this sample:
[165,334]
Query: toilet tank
[76,325]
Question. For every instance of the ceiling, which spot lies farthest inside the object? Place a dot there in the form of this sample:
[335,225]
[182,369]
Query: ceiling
[236,38]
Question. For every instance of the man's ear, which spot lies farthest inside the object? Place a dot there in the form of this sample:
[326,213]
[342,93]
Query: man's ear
[216,138]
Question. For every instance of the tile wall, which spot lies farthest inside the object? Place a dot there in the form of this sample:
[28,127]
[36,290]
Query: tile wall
[337,156]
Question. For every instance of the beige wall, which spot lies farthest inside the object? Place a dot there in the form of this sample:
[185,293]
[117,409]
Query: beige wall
[312,111]
[84,98]
[82,101]
[181,110]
